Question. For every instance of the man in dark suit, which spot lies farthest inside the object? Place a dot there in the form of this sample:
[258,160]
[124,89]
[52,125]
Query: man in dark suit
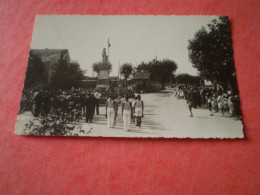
[90,107]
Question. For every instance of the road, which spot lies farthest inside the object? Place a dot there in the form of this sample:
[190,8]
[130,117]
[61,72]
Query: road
[164,116]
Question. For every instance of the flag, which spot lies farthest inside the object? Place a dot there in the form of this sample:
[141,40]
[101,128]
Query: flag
[108,43]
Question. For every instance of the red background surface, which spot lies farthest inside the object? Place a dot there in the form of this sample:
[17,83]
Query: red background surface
[59,165]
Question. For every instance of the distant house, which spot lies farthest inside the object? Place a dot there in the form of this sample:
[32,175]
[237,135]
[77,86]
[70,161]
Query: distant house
[49,57]
[142,81]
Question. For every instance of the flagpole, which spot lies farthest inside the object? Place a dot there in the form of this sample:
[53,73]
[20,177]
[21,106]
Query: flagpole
[108,45]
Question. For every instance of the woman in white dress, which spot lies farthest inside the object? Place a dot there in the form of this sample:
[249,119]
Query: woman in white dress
[126,111]
[110,111]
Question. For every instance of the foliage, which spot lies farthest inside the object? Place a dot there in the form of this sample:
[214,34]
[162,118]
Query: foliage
[210,52]
[161,71]
[35,74]
[97,65]
[126,70]
[51,125]
[187,79]
[143,67]
[66,75]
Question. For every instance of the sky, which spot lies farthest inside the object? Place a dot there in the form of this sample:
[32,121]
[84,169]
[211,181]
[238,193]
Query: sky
[133,39]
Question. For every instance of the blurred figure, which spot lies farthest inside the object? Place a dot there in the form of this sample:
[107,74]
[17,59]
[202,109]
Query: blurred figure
[82,102]
[126,111]
[116,102]
[97,96]
[139,110]
[220,101]
[90,107]
[132,101]
[110,111]
[210,99]
[190,101]
[37,103]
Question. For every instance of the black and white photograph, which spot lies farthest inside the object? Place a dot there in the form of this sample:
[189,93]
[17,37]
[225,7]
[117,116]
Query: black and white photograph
[131,76]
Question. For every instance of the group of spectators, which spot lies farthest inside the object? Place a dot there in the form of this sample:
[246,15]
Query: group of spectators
[69,105]
[216,100]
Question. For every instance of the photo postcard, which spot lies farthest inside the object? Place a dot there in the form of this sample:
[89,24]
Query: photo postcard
[131,76]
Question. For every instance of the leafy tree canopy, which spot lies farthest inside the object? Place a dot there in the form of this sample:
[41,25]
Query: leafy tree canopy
[187,79]
[36,73]
[210,52]
[97,66]
[126,70]
[66,75]
[161,71]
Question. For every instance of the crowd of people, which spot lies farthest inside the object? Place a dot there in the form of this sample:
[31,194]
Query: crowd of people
[72,106]
[216,100]
[69,105]
[75,105]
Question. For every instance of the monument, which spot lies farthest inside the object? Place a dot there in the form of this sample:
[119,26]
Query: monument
[103,74]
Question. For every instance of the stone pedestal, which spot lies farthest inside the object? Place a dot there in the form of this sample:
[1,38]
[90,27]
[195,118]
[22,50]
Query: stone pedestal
[103,77]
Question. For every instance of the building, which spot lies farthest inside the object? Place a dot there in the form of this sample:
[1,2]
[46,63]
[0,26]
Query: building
[142,81]
[49,57]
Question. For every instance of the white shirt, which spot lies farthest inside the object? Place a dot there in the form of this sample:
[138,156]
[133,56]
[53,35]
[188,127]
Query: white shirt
[97,95]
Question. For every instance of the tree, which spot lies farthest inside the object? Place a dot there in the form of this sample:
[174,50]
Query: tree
[66,75]
[161,71]
[165,71]
[187,79]
[97,65]
[210,52]
[126,70]
[143,67]
[35,74]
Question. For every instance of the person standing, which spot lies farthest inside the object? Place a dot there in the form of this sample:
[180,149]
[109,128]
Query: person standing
[37,103]
[225,100]
[126,111]
[116,102]
[190,101]
[132,101]
[97,95]
[220,101]
[209,100]
[82,102]
[139,110]
[90,108]
[110,111]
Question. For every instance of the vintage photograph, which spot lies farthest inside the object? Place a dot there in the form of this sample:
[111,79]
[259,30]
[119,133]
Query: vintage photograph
[131,76]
